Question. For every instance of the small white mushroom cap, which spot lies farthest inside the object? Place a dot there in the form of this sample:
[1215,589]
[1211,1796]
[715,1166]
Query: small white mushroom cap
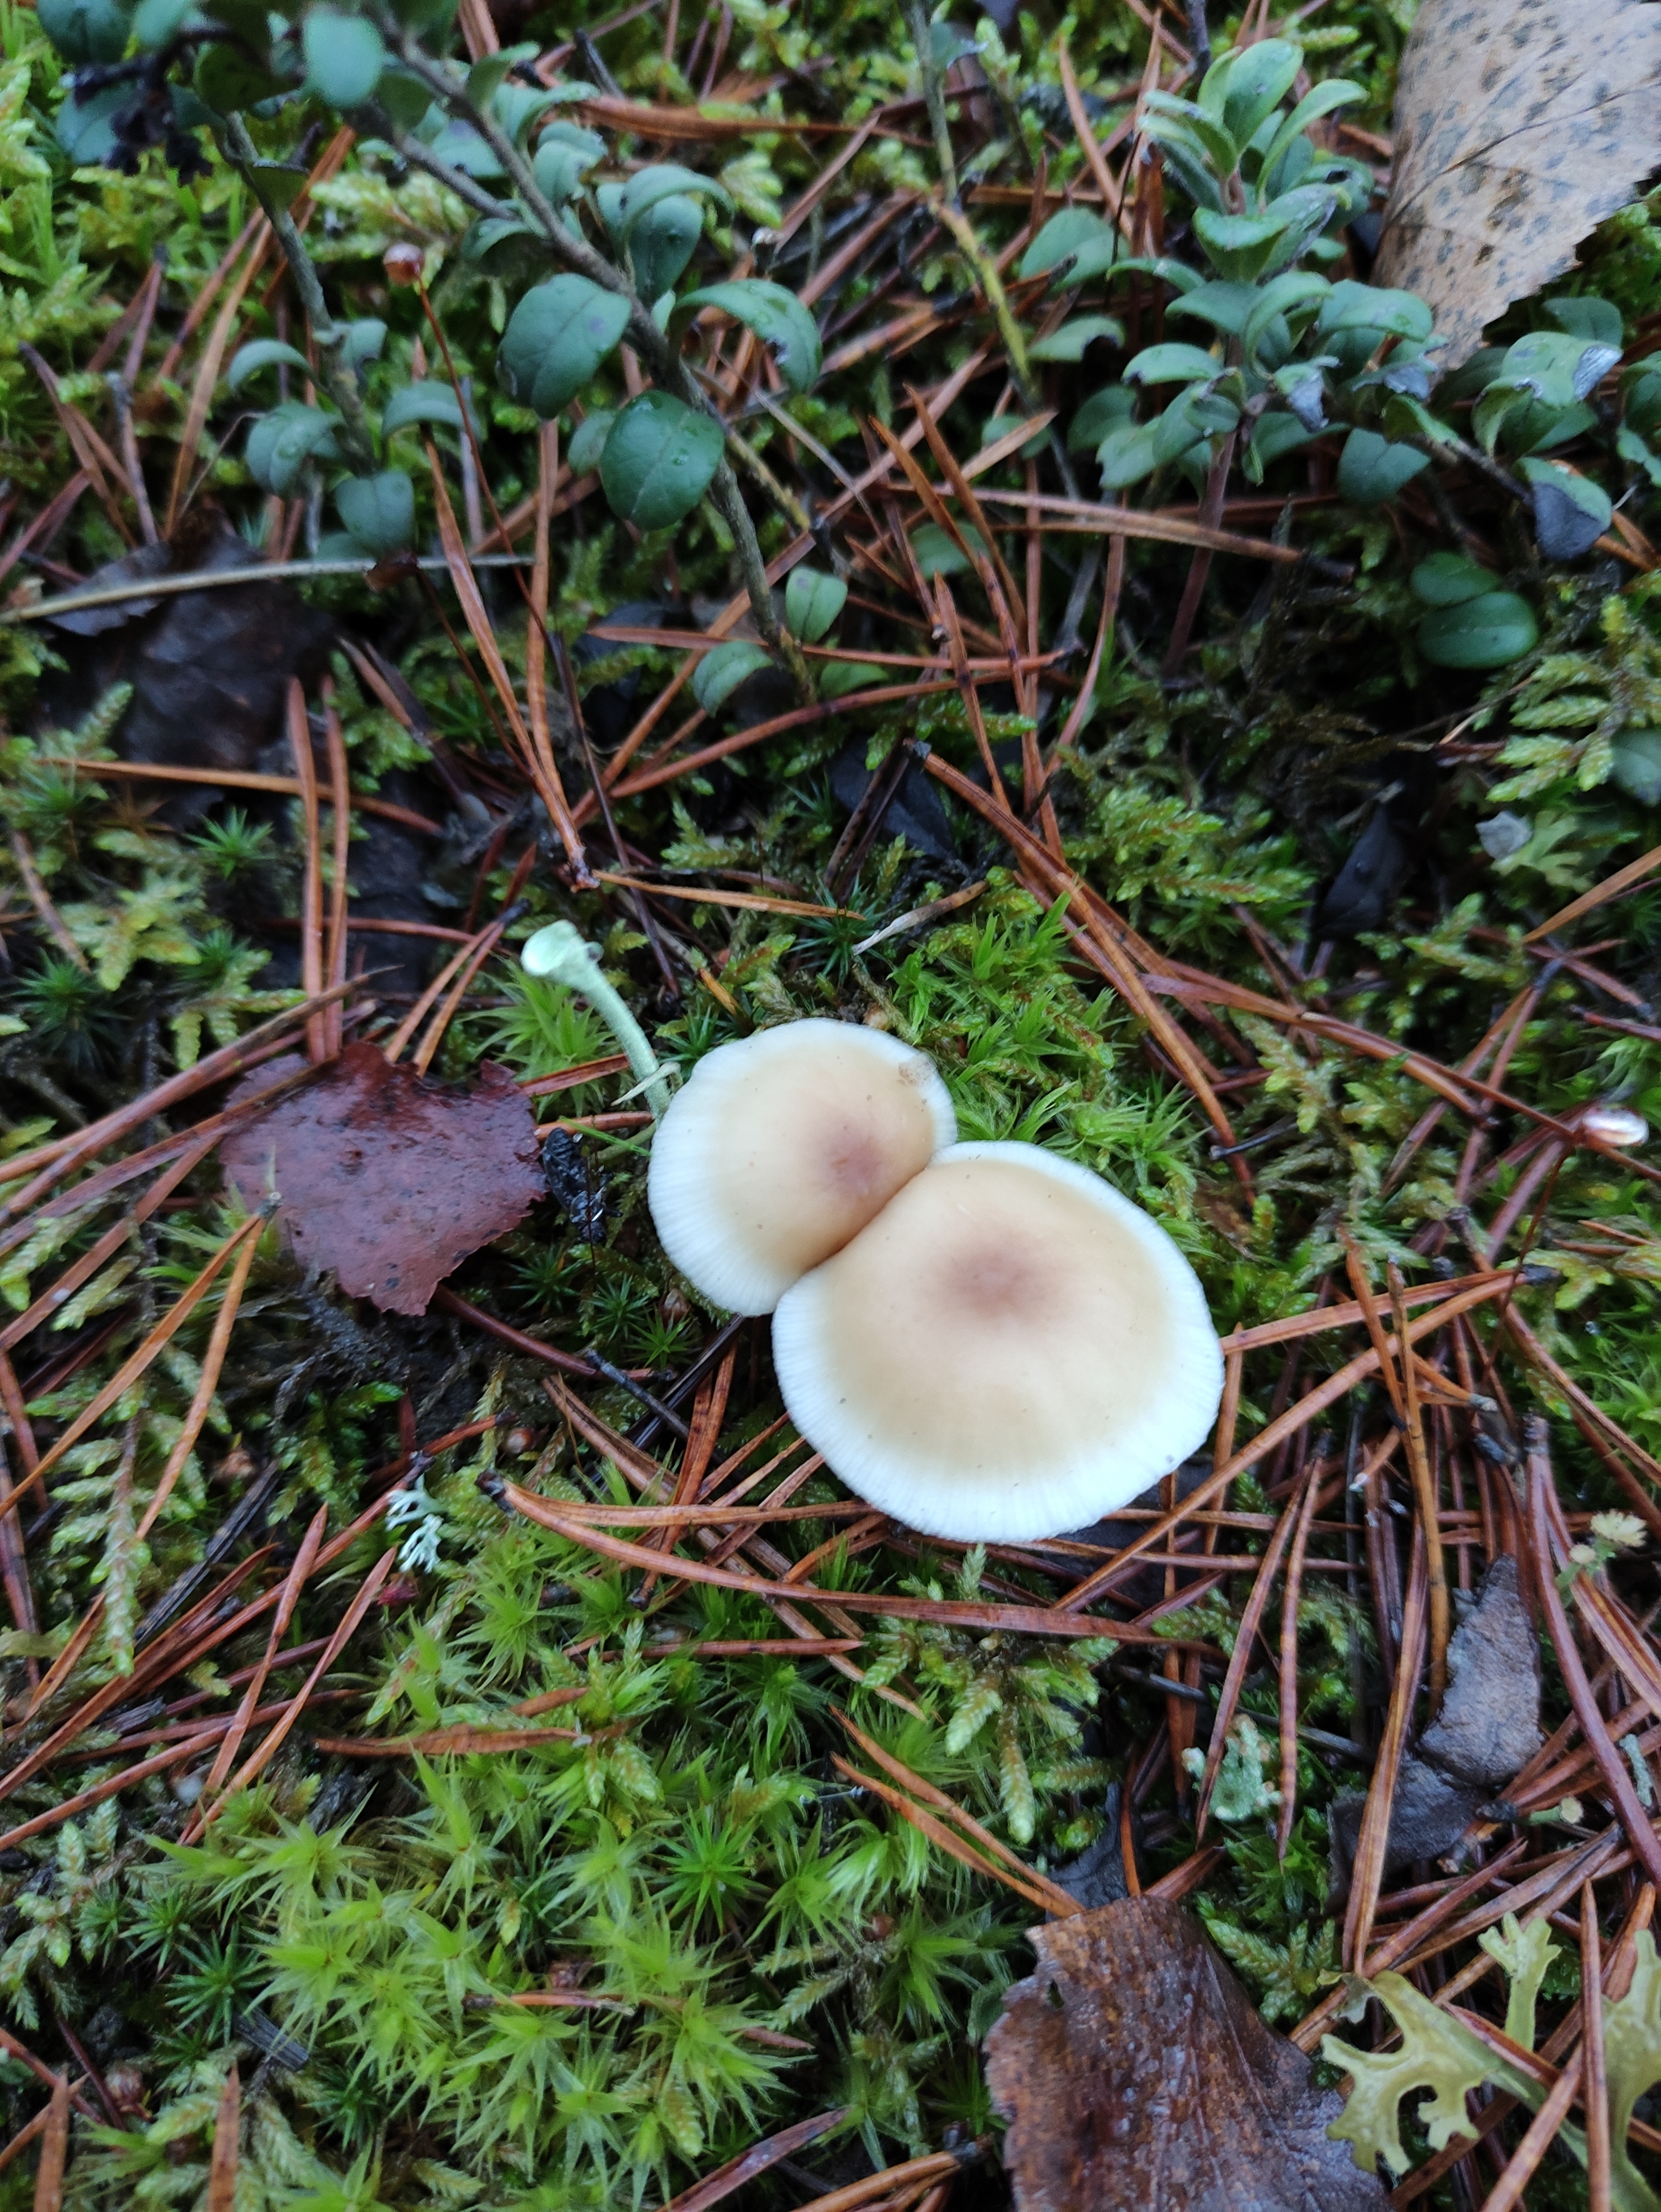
[1010,1349]
[783,1145]
[1611,1124]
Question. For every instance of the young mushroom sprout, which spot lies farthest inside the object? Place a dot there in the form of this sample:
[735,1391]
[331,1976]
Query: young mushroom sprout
[1009,1350]
[982,1339]
[782,1146]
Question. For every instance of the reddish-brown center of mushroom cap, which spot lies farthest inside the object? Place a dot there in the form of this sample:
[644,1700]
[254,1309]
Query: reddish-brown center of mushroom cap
[816,1150]
[989,1311]
[991,1281]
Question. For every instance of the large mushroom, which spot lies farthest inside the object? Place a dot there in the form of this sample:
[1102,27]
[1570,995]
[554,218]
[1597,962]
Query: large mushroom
[1010,1349]
[985,1340]
[781,1147]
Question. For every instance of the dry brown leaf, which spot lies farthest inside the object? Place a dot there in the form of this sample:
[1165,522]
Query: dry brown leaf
[387,1178]
[1137,2076]
[1520,125]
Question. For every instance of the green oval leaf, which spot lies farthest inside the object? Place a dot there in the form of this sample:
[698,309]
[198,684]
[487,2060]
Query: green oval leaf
[155,21]
[1336,92]
[720,673]
[282,442]
[85,128]
[1238,246]
[1274,434]
[405,99]
[1558,366]
[659,182]
[1378,312]
[345,57]
[263,353]
[1588,316]
[1171,364]
[939,553]
[364,341]
[559,167]
[1075,337]
[660,456]
[1069,236]
[556,340]
[1110,408]
[587,440]
[378,510]
[85,30]
[1225,306]
[225,78]
[1482,633]
[1371,470]
[1192,415]
[1448,580]
[662,243]
[490,230]
[1299,288]
[1635,765]
[776,315]
[1126,455]
[422,403]
[517,106]
[1245,89]
[838,677]
[812,601]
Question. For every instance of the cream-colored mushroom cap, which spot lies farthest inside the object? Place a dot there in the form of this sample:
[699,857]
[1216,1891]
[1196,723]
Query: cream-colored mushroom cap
[1611,1124]
[1010,1350]
[783,1145]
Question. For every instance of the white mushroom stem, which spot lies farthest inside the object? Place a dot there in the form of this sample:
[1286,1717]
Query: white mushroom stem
[558,954]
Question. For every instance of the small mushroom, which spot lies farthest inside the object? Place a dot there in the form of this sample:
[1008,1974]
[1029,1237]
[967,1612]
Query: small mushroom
[1009,1349]
[782,1146]
[1608,1123]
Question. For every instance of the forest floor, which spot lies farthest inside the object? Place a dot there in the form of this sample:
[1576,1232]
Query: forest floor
[461,1747]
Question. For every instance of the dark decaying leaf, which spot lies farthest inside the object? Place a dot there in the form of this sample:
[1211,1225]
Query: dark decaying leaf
[1488,1726]
[1489,1723]
[1360,895]
[1428,1813]
[388,1179]
[1137,2076]
[209,669]
[1519,128]
[915,812]
[1097,1875]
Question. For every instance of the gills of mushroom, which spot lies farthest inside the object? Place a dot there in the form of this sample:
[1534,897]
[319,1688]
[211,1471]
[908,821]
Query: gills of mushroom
[1009,1349]
[782,1146]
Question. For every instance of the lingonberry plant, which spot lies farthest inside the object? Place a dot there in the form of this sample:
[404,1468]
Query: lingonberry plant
[494,134]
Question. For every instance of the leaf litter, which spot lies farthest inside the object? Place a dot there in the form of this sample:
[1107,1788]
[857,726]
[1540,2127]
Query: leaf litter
[1133,2068]
[807,1777]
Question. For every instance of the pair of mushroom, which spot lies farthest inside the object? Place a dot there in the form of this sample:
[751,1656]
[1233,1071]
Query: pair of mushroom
[984,1340]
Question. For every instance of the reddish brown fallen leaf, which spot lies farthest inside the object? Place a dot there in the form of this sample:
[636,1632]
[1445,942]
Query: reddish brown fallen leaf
[1137,2077]
[389,1179]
